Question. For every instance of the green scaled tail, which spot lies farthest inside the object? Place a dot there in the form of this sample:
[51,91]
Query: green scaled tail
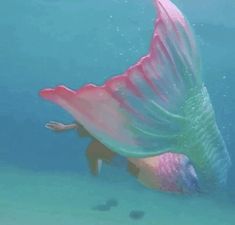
[202,141]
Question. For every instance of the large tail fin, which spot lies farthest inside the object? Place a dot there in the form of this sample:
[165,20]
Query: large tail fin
[139,113]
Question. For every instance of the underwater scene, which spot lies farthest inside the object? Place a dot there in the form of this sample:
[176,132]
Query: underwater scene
[117,112]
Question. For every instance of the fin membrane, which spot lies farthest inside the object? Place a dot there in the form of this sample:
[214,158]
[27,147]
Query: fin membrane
[139,113]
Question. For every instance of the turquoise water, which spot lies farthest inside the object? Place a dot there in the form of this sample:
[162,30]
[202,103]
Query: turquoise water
[44,176]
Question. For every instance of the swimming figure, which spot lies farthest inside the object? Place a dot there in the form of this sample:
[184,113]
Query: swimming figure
[168,172]
[159,107]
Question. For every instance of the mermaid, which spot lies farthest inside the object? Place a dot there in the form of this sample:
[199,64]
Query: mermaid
[168,172]
[157,114]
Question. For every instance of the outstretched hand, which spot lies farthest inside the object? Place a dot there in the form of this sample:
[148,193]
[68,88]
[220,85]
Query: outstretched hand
[56,126]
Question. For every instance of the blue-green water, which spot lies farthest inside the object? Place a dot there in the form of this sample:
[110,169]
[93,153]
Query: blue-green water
[44,177]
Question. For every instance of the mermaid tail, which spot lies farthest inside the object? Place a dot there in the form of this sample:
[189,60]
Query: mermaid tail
[168,172]
[139,113]
[158,105]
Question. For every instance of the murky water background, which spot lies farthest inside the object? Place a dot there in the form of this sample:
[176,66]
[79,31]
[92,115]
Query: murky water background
[44,176]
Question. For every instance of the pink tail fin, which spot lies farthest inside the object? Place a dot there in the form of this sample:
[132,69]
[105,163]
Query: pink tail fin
[138,112]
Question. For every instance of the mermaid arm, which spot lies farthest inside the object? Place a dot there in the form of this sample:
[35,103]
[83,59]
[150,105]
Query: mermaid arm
[59,127]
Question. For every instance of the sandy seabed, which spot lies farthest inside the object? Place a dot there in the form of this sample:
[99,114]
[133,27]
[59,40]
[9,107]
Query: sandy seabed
[46,198]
